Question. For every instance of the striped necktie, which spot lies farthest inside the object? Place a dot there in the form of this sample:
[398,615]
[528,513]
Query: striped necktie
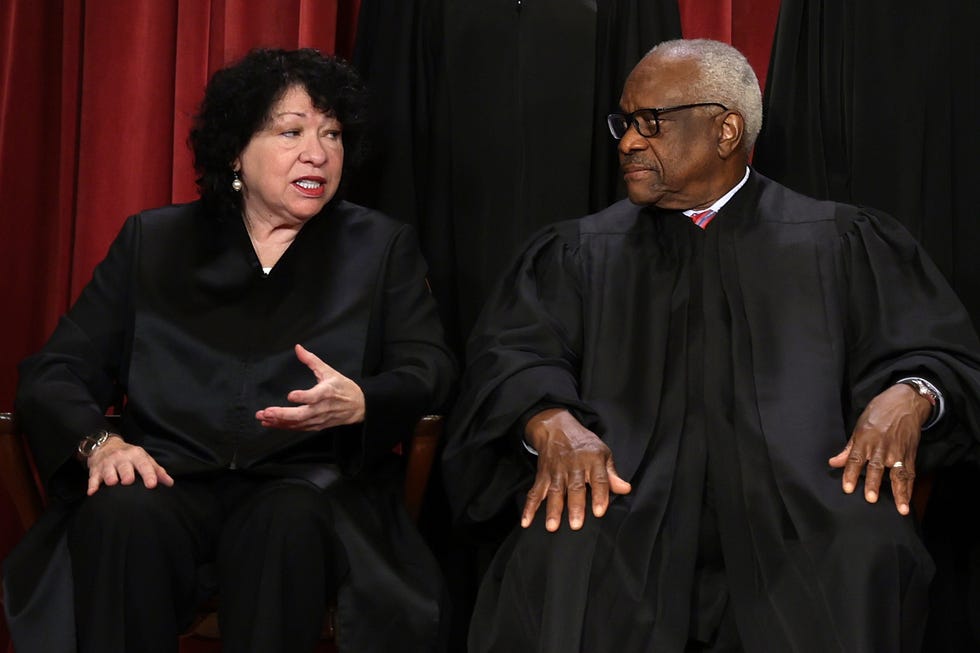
[702,218]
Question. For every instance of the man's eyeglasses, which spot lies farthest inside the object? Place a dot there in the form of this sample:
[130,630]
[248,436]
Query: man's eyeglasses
[647,121]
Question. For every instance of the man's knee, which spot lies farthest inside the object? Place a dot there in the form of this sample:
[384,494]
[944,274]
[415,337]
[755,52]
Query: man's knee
[870,541]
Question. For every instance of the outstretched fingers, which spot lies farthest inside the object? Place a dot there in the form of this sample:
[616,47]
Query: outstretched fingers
[563,489]
[902,477]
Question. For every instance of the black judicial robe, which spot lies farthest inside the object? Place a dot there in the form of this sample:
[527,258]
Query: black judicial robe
[735,361]
[181,320]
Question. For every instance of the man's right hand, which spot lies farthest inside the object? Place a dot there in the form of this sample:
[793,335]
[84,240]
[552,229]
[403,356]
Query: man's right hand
[570,457]
[118,462]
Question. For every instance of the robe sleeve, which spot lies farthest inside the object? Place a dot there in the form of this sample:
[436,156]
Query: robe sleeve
[525,351]
[414,371]
[905,320]
[66,388]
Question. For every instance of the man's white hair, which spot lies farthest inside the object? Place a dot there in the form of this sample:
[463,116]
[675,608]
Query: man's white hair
[725,76]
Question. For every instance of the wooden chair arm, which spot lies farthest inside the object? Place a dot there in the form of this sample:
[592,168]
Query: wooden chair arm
[421,454]
[17,472]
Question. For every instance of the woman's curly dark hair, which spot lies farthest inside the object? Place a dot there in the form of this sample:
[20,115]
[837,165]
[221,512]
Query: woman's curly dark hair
[237,102]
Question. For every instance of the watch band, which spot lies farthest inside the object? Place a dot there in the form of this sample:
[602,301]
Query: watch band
[920,387]
[932,394]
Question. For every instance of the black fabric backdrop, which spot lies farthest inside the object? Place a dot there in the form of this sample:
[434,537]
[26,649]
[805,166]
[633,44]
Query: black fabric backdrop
[491,118]
[874,103]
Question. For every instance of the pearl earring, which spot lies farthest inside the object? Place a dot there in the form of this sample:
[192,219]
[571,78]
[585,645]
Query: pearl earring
[236,183]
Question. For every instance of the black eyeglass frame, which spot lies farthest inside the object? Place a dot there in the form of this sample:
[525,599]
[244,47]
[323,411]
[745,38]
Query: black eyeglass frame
[626,119]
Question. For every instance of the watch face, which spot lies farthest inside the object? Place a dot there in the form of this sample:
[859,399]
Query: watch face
[89,444]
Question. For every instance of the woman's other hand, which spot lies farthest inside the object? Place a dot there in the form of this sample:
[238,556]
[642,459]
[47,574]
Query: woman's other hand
[334,400]
[117,463]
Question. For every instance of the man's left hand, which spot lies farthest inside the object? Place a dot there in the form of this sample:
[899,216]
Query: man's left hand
[886,437]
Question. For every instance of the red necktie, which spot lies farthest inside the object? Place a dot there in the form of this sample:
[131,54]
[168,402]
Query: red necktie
[702,218]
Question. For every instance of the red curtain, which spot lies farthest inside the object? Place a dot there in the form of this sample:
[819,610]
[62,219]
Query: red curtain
[749,25]
[96,98]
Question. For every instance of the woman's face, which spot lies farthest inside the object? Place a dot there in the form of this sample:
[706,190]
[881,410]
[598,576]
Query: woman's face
[292,166]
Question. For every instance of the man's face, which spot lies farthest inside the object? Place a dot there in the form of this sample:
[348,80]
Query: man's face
[679,167]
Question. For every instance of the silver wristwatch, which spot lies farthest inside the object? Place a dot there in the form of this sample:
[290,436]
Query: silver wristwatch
[91,443]
[919,386]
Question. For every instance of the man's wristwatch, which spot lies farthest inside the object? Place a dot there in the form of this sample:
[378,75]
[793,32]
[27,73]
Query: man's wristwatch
[920,387]
[932,394]
[90,443]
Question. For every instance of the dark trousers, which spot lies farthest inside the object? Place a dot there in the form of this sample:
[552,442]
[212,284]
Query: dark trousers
[141,557]
[712,627]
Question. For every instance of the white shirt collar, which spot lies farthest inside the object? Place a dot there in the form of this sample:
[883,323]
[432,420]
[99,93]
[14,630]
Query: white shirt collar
[721,201]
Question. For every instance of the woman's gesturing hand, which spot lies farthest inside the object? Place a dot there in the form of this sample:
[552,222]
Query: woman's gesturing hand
[333,401]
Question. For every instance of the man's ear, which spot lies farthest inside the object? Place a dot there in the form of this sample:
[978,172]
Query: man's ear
[731,133]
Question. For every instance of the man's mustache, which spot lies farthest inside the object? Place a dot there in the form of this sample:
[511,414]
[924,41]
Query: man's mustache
[628,163]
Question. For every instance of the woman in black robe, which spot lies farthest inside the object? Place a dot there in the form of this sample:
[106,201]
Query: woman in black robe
[272,345]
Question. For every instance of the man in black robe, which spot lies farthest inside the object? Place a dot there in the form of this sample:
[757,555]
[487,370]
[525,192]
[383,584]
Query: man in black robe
[744,367]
